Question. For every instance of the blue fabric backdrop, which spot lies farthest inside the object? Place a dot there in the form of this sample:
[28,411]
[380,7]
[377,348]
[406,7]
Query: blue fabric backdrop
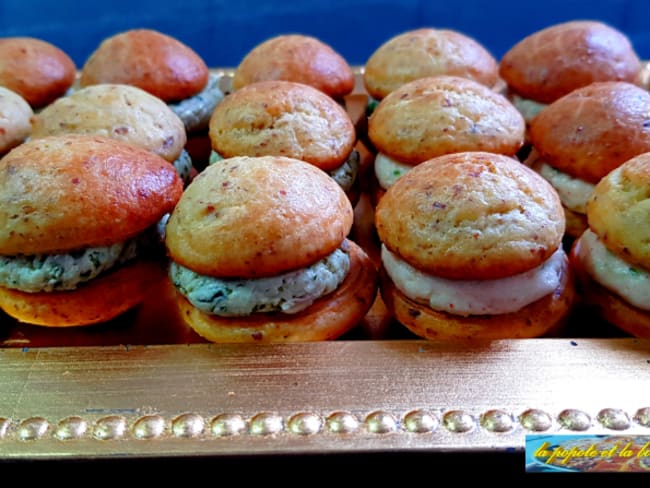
[223,31]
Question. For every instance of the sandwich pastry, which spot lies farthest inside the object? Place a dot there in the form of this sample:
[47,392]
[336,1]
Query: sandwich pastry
[79,217]
[160,65]
[422,53]
[439,115]
[35,69]
[552,62]
[259,253]
[471,249]
[284,118]
[123,112]
[299,58]
[611,257]
[581,137]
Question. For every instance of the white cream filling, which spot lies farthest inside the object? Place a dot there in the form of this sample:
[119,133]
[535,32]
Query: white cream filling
[574,192]
[388,171]
[476,297]
[614,273]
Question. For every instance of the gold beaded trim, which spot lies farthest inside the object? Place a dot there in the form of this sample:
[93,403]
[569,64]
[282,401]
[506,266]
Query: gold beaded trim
[195,426]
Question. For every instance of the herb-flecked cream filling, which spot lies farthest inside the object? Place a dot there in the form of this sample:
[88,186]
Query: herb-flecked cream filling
[287,293]
[183,166]
[58,272]
[195,111]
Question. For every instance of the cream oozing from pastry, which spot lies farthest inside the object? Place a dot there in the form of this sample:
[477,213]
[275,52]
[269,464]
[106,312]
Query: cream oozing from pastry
[614,273]
[476,297]
[388,171]
[574,192]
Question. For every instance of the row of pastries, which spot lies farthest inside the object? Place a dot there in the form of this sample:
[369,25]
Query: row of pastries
[504,194]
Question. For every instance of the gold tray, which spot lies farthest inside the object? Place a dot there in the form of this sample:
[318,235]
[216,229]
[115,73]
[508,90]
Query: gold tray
[145,386]
[342,396]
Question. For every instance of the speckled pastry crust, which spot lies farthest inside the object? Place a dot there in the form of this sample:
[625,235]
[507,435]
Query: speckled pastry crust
[618,211]
[433,116]
[37,70]
[283,118]
[15,116]
[472,215]
[148,59]
[63,193]
[594,129]
[427,52]
[327,319]
[554,61]
[300,58]
[250,217]
[123,112]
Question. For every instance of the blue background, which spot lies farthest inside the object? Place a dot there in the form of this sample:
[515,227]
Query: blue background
[222,32]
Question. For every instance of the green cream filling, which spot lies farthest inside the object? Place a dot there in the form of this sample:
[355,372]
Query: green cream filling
[57,272]
[287,293]
[183,166]
[195,111]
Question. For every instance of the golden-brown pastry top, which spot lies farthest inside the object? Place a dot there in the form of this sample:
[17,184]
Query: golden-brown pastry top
[68,192]
[249,217]
[593,129]
[618,210]
[471,215]
[300,58]
[427,52]
[283,118]
[15,117]
[556,60]
[123,112]
[438,115]
[148,59]
[37,70]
